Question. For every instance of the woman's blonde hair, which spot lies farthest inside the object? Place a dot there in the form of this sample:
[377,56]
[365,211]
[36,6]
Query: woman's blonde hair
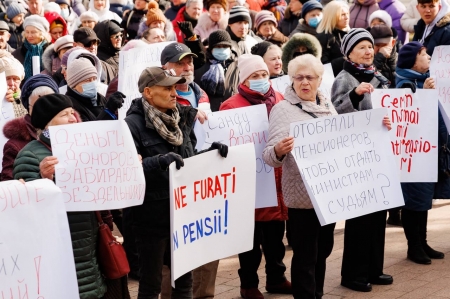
[331,15]
[305,61]
[44,35]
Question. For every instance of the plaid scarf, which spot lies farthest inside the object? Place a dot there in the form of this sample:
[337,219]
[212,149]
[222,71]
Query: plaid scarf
[213,80]
[166,125]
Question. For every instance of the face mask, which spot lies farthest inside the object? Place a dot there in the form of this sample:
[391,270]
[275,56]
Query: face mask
[314,22]
[261,85]
[65,13]
[90,89]
[221,54]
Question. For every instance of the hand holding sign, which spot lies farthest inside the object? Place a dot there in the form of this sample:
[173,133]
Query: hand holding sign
[47,167]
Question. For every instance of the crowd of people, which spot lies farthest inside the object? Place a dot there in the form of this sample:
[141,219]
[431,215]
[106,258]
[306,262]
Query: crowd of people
[225,54]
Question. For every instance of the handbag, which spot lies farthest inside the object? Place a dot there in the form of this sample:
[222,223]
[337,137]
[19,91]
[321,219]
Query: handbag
[111,254]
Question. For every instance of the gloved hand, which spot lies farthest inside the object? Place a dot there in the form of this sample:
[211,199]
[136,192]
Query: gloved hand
[223,149]
[115,101]
[165,160]
[186,28]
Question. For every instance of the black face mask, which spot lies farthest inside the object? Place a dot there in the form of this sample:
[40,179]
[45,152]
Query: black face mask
[302,53]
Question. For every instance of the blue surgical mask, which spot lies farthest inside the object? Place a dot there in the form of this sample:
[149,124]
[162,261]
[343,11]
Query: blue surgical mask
[221,54]
[90,89]
[65,13]
[314,22]
[260,85]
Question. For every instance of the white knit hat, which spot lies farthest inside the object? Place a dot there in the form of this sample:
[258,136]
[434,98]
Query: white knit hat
[382,15]
[12,67]
[38,22]
[79,70]
[248,64]
[89,16]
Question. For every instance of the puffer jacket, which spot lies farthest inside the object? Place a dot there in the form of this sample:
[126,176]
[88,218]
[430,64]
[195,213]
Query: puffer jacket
[331,49]
[359,13]
[439,35]
[303,27]
[83,225]
[282,115]
[206,26]
[106,52]
[396,9]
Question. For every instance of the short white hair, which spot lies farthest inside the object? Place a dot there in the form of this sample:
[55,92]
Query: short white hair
[38,92]
[307,61]
[189,2]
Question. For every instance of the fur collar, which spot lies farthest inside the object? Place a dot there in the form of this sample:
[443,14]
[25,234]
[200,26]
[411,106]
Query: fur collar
[19,128]
[207,24]
[297,40]
[444,21]
[47,58]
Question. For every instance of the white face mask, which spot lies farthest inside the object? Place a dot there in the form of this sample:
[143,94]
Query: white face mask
[65,13]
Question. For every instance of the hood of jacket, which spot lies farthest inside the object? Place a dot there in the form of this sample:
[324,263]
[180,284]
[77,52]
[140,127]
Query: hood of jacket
[52,17]
[102,31]
[82,52]
[99,12]
[297,40]
[20,128]
[402,75]
[47,58]
[444,20]
[207,24]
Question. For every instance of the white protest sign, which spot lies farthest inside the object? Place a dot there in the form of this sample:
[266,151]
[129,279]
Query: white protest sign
[440,72]
[414,134]
[347,165]
[280,84]
[238,126]
[7,113]
[131,65]
[36,257]
[98,169]
[212,208]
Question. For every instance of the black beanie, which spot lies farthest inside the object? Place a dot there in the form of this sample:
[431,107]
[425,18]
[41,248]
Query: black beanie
[47,107]
[261,48]
[408,54]
[219,37]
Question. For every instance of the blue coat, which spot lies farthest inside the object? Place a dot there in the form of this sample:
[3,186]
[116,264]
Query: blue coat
[439,36]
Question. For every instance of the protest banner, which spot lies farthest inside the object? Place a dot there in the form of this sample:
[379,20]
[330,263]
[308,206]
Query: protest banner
[347,165]
[238,126]
[36,256]
[131,65]
[7,113]
[440,72]
[414,134]
[97,169]
[212,208]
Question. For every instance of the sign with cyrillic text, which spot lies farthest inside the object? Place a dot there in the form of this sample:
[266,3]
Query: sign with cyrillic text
[36,256]
[212,207]
[98,169]
[414,134]
[347,165]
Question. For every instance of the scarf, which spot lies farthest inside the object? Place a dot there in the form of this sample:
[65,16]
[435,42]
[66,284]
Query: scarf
[365,73]
[32,50]
[46,133]
[166,125]
[213,81]
[410,76]
[189,19]
[256,98]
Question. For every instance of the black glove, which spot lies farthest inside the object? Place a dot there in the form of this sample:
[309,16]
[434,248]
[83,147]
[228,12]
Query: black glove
[167,159]
[223,149]
[115,101]
[186,28]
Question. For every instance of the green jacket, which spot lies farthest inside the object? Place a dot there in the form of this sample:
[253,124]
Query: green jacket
[83,225]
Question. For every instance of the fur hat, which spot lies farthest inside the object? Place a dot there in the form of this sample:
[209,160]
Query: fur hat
[223,3]
[154,13]
[300,39]
[248,64]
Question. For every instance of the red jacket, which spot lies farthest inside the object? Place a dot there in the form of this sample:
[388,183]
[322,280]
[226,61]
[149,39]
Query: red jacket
[264,214]
[200,95]
[180,18]
[52,16]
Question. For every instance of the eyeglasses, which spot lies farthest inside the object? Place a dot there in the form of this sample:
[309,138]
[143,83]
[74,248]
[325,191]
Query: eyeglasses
[117,36]
[300,78]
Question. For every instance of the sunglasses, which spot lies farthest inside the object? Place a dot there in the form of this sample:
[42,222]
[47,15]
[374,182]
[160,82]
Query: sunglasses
[117,36]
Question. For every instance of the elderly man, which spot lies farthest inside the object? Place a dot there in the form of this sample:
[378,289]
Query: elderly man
[86,38]
[190,13]
[157,119]
[35,7]
[4,37]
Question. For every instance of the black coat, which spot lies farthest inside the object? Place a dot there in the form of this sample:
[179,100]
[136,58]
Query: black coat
[331,49]
[130,24]
[439,35]
[108,55]
[286,26]
[84,106]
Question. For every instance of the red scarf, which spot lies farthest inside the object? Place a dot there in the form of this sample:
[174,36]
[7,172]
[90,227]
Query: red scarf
[256,98]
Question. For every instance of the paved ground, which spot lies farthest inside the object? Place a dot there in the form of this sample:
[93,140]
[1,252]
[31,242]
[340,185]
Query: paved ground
[411,281]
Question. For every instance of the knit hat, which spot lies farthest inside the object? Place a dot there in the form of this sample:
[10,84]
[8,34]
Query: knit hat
[408,54]
[223,3]
[248,64]
[63,42]
[382,15]
[354,37]
[89,16]
[38,22]
[310,5]
[66,55]
[52,7]
[34,82]
[4,26]
[154,13]
[264,15]
[381,34]
[14,9]
[219,37]
[261,48]
[47,107]
[12,67]
[238,14]
[79,70]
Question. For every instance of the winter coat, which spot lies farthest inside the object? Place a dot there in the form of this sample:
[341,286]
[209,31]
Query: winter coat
[264,214]
[282,115]
[104,14]
[243,45]
[21,52]
[386,66]
[439,36]
[200,95]
[303,27]
[78,6]
[106,52]
[83,225]
[168,30]
[16,39]
[72,21]
[19,133]
[51,61]
[359,14]
[289,23]
[149,145]
[84,106]
[295,41]
[54,16]
[171,13]
[331,49]
[277,38]
[206,26]
[410,17]
[396,9]
[131,21]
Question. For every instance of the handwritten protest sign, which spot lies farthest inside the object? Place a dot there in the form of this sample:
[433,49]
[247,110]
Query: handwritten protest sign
[36,257]
[440,72]
[347,165]
[414,134]
[7,113]
[131,65]
[280,84]
[239,126]
[212,207]
[98,169]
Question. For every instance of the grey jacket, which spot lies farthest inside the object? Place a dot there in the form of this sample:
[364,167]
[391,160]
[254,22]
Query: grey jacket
[282,115]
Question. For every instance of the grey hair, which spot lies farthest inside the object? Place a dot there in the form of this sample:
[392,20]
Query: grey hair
[305,61]
[146,33]
[40,91]
[189,2]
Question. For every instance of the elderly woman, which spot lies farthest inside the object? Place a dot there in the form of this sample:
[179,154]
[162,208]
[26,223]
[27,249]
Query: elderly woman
[88,19]
[362,263]
[254,88]
[331,30]
[266,28]
[35,161]
[215,19]
[14,73]
[53,54]
[58,26]
[36,41]
[272,58]
[311,243]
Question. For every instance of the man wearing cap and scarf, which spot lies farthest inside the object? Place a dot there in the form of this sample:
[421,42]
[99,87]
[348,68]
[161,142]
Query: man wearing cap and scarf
[239,24]
[162,130]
